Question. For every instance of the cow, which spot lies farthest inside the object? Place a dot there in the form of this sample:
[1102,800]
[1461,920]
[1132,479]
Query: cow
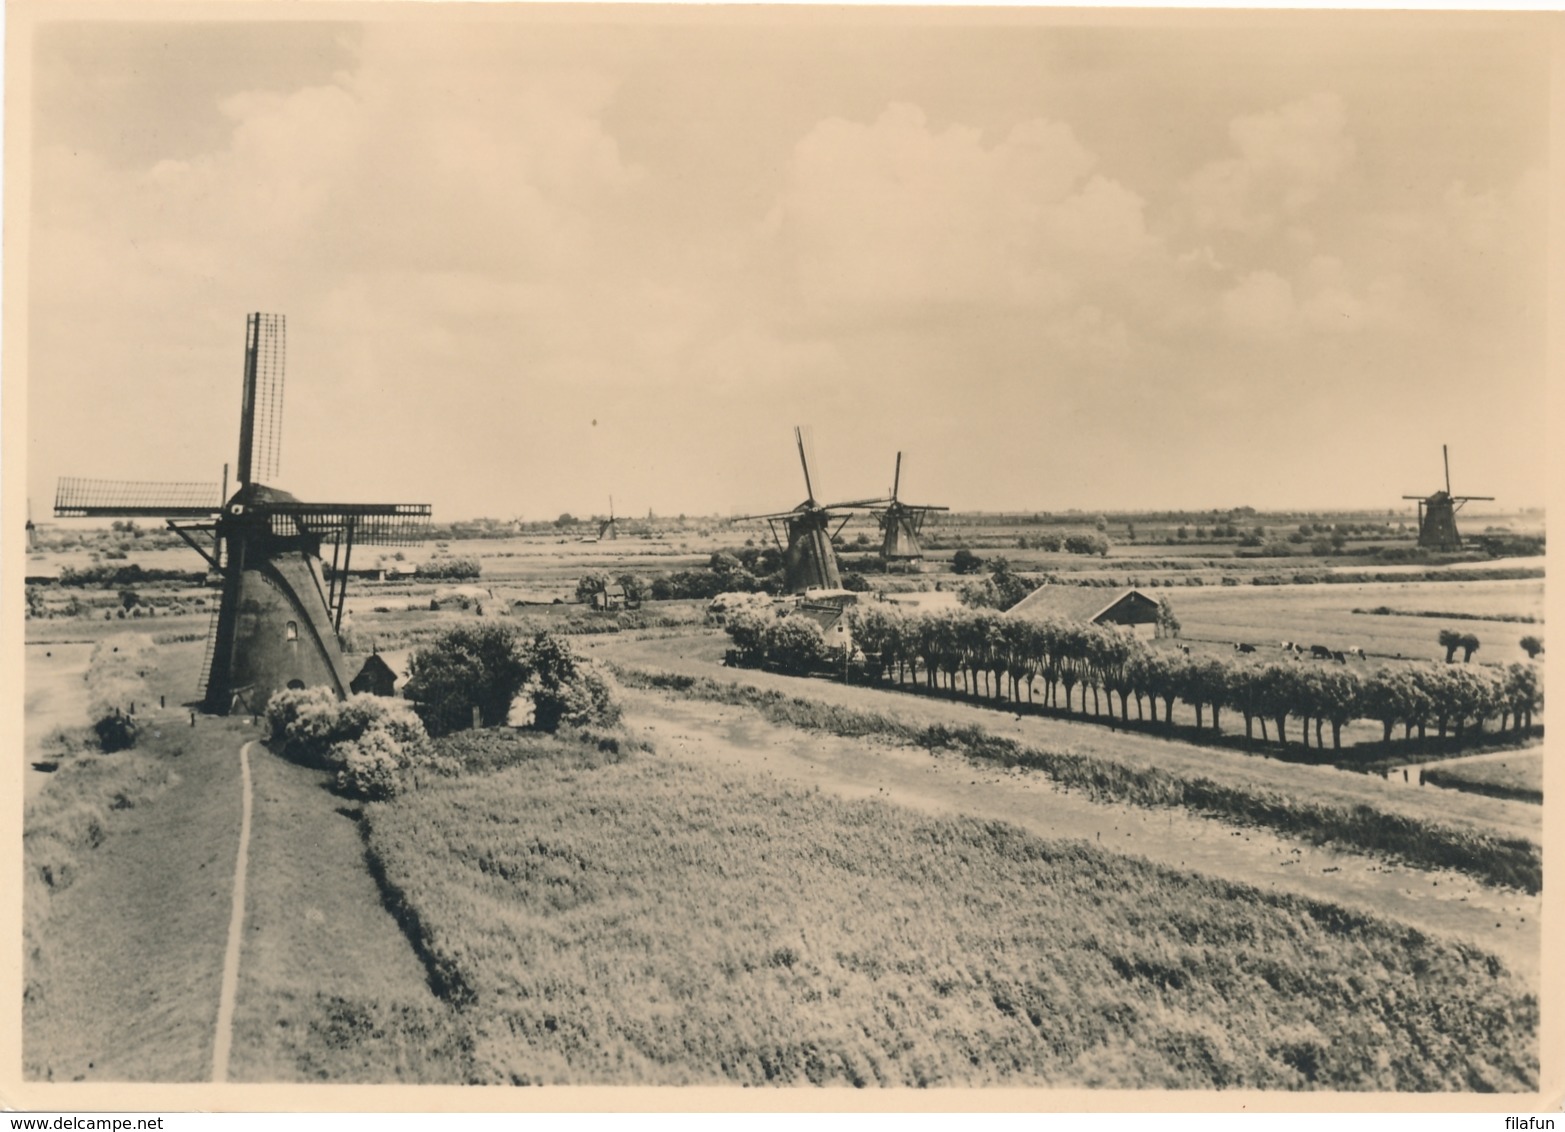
[1339,658]
[1320,652]
[1356,651]
[1184,649]
[1243,648]
[1289,646]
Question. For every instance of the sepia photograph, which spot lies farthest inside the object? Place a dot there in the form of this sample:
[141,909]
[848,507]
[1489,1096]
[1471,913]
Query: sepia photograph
[972,554]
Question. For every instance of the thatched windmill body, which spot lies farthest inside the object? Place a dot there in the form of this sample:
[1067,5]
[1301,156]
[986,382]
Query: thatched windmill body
[809,559]
[901,525]
[1437,513]
[277,622]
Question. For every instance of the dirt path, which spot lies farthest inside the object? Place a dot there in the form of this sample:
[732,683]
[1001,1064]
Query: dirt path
[698,654]
[135,946]
[316,937]
[223,1037]
[1445,903]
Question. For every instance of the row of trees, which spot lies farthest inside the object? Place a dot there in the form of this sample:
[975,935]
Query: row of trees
[997,657]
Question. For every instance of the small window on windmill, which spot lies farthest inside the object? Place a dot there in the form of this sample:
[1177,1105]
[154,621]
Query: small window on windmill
[292,631]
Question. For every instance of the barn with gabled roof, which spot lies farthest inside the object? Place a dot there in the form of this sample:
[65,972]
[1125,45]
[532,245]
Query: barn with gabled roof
[1127,609]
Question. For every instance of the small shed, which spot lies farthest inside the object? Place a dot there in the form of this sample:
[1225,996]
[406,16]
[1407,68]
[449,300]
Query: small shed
[1129,610]
[611,597]
[375,677]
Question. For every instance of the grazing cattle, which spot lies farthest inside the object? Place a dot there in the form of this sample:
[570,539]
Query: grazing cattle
[1185,649]
[1356,651]
[1320,652]
[1243,648]
[1339,658]
[1289,646]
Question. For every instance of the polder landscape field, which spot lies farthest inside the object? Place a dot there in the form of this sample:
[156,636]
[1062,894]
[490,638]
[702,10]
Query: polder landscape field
[737,869]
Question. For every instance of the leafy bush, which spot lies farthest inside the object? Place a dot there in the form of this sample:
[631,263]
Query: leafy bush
[370,741]
[116,732]
[796,645]
[567,689]
[482,665]
[371,765]
[453,568]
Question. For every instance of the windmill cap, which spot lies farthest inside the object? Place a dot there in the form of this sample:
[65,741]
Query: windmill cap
[259,495]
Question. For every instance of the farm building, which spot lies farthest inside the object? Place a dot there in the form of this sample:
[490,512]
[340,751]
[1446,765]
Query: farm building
[833,620]
[375,677]
[610,598]
[1130,610]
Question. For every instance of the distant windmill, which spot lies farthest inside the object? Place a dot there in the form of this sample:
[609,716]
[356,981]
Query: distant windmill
[278,621]
[1437,513]
[608,529]
[902,523]
[809,561]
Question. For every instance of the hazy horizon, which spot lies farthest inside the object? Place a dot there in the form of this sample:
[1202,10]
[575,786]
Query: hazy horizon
[534,258]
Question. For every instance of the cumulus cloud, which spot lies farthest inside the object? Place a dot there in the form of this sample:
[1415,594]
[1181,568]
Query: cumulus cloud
[1285,160]
[897,215]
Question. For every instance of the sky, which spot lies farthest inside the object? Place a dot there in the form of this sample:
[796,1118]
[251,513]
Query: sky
[534,259]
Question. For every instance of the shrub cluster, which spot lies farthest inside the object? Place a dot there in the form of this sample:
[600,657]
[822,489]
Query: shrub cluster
[795,645]
[462,569]
[482,668]
[374,744]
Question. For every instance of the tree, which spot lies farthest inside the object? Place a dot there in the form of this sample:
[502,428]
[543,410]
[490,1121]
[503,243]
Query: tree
[566,688]
[129,599]
[1450,640]
[1167,622]
[566,520]
[797,646]
[964,561]
[1533,646]
[483,665]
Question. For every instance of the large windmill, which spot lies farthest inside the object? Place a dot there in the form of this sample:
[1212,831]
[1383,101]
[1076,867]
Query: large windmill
[1437,513]
[278,621]
[902,523]
[809,561]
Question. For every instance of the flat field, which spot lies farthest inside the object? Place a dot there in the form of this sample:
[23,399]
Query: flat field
[644,920]
[1324,614]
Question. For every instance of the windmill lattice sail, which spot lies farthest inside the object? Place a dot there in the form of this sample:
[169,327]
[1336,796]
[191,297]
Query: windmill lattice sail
[79,498]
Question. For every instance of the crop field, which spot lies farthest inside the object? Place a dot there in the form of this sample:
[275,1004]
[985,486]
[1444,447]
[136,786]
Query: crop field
[642,920]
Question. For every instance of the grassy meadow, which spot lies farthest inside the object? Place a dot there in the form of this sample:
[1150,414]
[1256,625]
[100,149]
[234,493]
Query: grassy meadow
[611,917]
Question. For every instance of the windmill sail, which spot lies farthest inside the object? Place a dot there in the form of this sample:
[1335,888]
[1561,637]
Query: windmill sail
[261,410]
[79,498]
